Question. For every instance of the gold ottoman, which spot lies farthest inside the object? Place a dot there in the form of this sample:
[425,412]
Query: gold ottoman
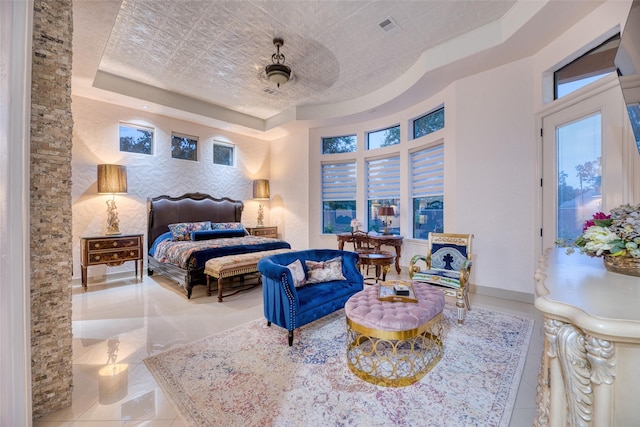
[394,344]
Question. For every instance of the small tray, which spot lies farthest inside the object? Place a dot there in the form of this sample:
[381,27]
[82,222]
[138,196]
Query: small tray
[386,291]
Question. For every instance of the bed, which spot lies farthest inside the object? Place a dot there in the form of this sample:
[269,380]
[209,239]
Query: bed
[182,258]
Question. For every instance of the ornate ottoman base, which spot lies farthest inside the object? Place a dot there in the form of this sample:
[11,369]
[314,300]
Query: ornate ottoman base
[394,344]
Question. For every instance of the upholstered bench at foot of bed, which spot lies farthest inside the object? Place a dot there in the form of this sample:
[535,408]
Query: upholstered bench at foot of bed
[234,265]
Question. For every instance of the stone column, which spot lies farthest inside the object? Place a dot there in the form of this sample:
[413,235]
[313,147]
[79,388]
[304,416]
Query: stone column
[50,207]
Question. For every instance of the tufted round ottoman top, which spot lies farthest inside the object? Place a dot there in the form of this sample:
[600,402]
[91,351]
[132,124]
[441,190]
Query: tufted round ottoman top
[364,309]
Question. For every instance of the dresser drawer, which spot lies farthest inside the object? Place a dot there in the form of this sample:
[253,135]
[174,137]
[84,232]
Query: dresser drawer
[114,256]
[264,231]
[112,243]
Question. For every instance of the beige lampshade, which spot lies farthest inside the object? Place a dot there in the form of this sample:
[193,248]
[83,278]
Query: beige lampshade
[385,211]
[112,179]
[261,189]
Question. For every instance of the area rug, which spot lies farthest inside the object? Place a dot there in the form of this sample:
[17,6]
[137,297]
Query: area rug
[249,376]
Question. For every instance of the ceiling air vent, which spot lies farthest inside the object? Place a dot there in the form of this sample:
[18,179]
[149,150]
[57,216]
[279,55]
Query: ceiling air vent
[389,26]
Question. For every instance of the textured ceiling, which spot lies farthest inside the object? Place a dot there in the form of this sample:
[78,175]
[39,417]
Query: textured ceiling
[203,61]
[217,50]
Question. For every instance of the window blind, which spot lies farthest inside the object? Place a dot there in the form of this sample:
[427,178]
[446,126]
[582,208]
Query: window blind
[339,181]
[383,178]
[427,172]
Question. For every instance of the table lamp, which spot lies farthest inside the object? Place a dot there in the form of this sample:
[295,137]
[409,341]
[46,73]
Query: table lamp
[112,179]
[261,192]
[386,211]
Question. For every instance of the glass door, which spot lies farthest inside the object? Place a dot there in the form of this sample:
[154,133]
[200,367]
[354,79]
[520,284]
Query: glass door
[584,167]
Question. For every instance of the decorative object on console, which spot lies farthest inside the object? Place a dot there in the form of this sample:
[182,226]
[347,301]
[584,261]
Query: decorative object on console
[261,192]
[615,237]
[112,179]
[355,224]
[386,211]
[277,72]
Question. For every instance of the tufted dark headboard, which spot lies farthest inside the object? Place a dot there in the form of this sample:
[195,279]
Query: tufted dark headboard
[190,207]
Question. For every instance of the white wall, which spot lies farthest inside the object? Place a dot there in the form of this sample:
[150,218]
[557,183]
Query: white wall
[289,182]
[495,172]
[96,140]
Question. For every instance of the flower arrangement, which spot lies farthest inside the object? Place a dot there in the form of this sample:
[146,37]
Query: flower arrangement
[616,234]
[355,224]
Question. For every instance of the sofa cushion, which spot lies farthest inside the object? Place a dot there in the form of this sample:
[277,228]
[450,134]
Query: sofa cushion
[324,271]
[297,272]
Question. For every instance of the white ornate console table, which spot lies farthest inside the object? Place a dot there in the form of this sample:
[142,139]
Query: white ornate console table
[590,371]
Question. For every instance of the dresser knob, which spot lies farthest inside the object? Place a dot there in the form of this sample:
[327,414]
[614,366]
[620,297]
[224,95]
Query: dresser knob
[97,245]
[115,244]
[97,257]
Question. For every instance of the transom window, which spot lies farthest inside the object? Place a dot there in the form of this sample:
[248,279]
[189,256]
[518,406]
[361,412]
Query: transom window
[339,144]
[383,137]
[223,154]
[428,123]
[136,139]
[588,68]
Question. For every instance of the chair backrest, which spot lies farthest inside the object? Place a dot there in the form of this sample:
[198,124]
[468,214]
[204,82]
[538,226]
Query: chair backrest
[360,240]
[448,251]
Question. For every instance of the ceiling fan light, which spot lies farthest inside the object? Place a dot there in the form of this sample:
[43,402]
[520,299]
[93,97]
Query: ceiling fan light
[278,73]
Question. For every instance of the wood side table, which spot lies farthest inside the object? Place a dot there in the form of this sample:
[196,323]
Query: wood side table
[377,241]
[110,250]
[264,231]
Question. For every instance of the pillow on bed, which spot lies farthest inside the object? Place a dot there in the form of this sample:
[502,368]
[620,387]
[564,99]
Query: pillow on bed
[183,230]
[217,234]
[227,226]
[324,271]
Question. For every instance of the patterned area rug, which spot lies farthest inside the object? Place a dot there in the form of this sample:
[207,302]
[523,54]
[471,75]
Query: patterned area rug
[249,376]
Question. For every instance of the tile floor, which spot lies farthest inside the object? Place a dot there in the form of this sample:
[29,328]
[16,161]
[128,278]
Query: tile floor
[124,321]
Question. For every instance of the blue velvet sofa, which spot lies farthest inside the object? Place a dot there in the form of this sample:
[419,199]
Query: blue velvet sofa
[290,307]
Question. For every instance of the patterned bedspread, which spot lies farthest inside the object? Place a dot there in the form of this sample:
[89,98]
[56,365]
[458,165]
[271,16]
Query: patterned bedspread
[191,255]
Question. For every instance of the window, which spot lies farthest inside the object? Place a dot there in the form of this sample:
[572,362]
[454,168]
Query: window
[427,191]
[184,147]
[338,197]
[339,144]
[136,139]
[428,123]
[383,138]
[383,190]
[579,150]
[591,66]
[223,154]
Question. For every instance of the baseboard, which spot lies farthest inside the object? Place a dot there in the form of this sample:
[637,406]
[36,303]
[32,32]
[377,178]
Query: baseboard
[503,294]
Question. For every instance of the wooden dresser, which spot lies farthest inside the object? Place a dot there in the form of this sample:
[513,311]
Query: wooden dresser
[589,374]
[264,231]
[111,250]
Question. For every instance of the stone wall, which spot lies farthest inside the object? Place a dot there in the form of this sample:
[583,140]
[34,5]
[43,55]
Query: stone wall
[50,205]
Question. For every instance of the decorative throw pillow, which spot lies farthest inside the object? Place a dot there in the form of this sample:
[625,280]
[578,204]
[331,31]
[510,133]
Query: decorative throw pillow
[227,226]
[297,271]
[324,271]
[217,234]
[183,230]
